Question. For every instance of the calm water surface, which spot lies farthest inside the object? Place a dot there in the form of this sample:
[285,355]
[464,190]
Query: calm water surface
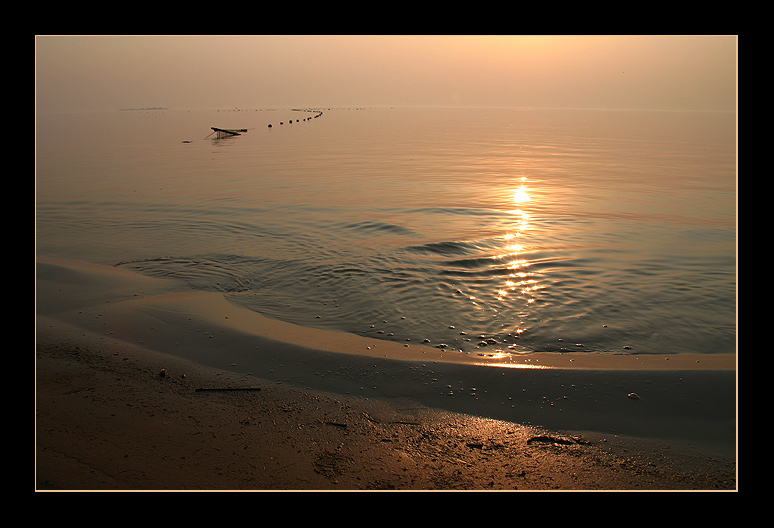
[540,230]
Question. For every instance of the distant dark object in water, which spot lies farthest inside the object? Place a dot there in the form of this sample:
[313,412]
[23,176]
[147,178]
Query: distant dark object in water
[227,132]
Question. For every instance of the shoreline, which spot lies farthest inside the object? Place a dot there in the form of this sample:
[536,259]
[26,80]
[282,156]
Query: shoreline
[131,327]
[69,285]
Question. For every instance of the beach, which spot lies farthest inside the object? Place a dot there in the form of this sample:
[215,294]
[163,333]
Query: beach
[360,268]
[134,392]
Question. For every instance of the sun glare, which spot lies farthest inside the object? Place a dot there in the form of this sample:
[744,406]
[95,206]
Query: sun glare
[519,280]
[521,196]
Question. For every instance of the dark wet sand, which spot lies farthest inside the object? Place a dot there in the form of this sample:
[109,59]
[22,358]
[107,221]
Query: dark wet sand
[120,359]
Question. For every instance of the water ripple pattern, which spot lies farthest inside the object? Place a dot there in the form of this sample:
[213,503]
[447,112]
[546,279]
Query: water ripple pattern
[480,230]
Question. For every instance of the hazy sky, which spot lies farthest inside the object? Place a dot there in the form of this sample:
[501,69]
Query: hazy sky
[75,73]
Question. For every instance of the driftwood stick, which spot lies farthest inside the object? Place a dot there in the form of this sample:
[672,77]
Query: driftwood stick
[222,389]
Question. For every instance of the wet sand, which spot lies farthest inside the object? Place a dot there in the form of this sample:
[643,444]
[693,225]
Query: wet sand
[122,361]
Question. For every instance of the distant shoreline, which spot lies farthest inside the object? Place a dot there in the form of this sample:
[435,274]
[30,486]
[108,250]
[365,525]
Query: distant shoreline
[149,108]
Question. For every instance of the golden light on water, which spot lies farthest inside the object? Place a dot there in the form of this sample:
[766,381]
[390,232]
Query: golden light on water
[519,280]
[521,195]
[522,224]
[518,264]
[520,284]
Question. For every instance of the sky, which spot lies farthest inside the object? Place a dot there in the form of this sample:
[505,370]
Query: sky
[110,72]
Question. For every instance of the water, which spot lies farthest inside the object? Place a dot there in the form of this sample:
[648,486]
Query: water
[538,230]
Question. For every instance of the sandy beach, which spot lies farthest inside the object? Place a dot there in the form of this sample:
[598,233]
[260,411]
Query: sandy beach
[142,385]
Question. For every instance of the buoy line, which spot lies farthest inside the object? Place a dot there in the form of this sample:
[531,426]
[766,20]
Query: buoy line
[318,114]
[221,133]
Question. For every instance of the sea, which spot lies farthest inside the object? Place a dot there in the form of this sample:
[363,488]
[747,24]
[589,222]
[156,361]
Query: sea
[518,230]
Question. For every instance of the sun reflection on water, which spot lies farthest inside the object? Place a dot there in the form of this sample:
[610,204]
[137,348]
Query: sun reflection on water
[520,284]
[521,196]
[519,280]
[511,284]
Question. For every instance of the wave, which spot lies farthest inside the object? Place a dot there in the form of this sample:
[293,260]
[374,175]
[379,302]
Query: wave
[443,248]
[368,227]
[220,273]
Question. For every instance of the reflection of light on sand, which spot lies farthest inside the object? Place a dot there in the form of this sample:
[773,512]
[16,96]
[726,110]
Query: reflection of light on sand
[524,366]
[501,358]
[505,360]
